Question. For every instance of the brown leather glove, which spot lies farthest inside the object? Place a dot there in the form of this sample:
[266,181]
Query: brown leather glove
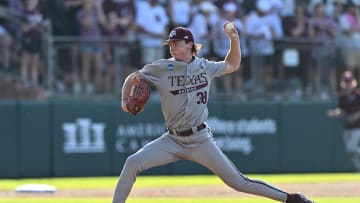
[139,96]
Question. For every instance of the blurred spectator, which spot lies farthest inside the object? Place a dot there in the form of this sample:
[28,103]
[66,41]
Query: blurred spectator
[5,37]
[311,5]
[277,6]
[289,7]
[228,12]
[281,7]
[195,7]
[239,11]
[72,7]
[337,12]
[152,21]
[323,28]
[124,17]
[350,37]
[248,6]
[337,9]
[137,3]
[274,20]
[179,13]
[220,4]
[117,20]
[55,11]
[31,43]
[120,27]
[328,6]
[201,26]
[262,27]
[356,2]
[5,44]
[298,27]
[233,84]
[16,9]
[91,17]
[110,31]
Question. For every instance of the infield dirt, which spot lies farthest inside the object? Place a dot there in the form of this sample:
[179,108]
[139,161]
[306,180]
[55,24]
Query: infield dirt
[336,189]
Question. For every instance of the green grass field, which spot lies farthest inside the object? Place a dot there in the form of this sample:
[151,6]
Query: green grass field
[171,181]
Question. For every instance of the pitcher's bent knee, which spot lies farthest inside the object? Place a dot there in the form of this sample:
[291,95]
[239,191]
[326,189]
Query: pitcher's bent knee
[133,163]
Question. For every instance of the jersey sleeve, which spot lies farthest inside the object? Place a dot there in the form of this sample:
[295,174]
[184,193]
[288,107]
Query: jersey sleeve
[151,73]
[215,68]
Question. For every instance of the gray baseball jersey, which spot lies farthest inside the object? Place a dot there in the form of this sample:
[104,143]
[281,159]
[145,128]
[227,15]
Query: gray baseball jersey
[183,88]
[184,91]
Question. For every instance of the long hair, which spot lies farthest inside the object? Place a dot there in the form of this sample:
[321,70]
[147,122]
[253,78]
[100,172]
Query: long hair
[195,48]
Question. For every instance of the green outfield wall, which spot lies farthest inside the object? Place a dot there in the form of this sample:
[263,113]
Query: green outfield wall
[94,138]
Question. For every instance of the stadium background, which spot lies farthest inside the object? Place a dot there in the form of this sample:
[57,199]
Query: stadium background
[53,130]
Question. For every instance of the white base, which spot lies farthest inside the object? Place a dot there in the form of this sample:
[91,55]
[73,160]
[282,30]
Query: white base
[36,188]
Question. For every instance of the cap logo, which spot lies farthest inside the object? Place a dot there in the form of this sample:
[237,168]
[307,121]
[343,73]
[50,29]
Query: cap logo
[180,33]
[172,33]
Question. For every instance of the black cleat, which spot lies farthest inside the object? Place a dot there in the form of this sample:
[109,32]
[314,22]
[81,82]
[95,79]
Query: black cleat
[297,198]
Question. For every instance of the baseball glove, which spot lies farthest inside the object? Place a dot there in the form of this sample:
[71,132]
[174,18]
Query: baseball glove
[138,97]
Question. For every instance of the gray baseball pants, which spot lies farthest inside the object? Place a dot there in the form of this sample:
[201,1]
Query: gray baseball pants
[199,147]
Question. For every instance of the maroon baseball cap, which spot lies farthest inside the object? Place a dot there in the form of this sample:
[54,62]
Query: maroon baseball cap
[180,33]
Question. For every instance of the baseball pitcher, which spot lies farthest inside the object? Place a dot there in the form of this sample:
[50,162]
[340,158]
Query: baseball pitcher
[183,83]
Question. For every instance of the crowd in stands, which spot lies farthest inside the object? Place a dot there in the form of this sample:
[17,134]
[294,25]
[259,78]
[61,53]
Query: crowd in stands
[320,39]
